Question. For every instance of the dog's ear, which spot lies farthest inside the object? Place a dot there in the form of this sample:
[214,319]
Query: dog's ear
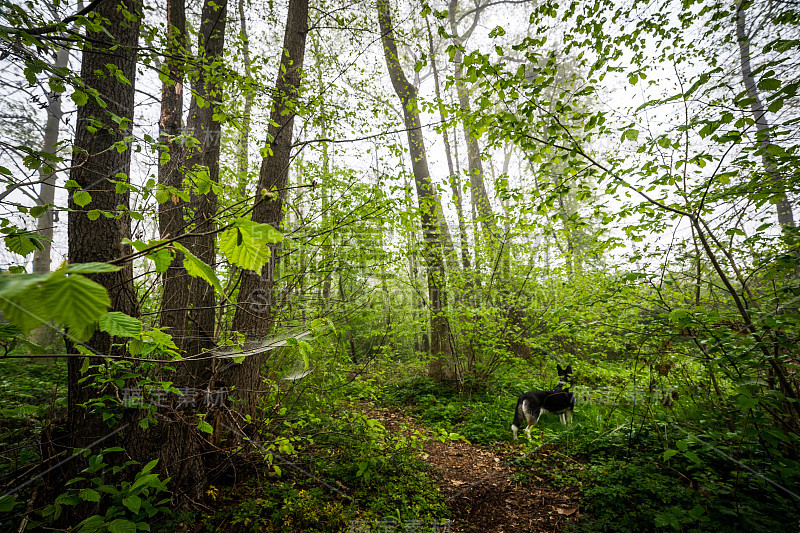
[568,370]
[558,369]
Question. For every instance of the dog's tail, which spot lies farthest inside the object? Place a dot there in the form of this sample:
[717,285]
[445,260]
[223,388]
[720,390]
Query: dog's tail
[519,416]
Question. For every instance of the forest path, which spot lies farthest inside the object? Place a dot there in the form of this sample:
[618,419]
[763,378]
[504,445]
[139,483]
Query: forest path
[475,481]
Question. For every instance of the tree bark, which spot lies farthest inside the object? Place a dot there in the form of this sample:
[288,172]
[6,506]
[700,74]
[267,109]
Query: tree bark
[429,207]
[46,335]
[243,158]
[206,96]
[453,178]
[96,166]
[255,302]
[175,298]
[189,303]
[763,137]
[480,199]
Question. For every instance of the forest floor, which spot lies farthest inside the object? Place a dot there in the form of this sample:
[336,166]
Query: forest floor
[477,486]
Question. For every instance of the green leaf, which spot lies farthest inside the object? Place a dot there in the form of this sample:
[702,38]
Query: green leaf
[631,134]
[162,195]
[38,210]
[149,466]
[120,525]
[245,243]
[146,480]
[261,232]
[198,269]
[678,316]
[7,503]
[21,300]
[769,84]
[79,97]
[133,503]
[778,151]
[89,495]
[242,250]
[200,177]
[204,426]
[93,523]
[23,242]
[82,198]
[91,268]
[135,347]
[120,325]
[75,301]
[162,259]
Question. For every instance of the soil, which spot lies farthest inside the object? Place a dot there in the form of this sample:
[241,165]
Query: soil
[475,481]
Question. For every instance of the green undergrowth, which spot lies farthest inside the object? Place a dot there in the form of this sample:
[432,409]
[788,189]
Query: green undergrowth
[30,392]
[629,484]
[482,417]
[295,502]
[637,464]
[353,474]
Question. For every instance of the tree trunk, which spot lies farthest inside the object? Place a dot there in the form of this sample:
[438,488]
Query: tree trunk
[46,335]
[453,177]
[189,303]
[480,199]
[175,297]
[206,95]
[96,165]
[429,207]
[783,206]
[253,312]
[327,247]
[244,137]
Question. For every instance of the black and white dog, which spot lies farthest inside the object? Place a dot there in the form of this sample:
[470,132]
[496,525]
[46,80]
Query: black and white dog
[559,401]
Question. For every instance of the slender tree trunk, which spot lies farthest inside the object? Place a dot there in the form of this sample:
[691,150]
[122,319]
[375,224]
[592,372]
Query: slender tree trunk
[253,312]
[429,206]
[205,156]
[453,178]
[96,166]
[189,303]
[480,199]
[47,191]
[783,206]
[326,175]
[175,298]
[244,137]
[507,239]
[46,335]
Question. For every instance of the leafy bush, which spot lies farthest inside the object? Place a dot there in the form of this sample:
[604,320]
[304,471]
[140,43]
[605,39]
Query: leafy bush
[414,390]
[129,505]
[628,497]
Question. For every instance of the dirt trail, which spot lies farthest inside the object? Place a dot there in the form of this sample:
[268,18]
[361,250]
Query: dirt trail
[475,482]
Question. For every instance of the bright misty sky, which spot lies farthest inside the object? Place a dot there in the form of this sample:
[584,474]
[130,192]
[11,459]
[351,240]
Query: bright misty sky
[619,98]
